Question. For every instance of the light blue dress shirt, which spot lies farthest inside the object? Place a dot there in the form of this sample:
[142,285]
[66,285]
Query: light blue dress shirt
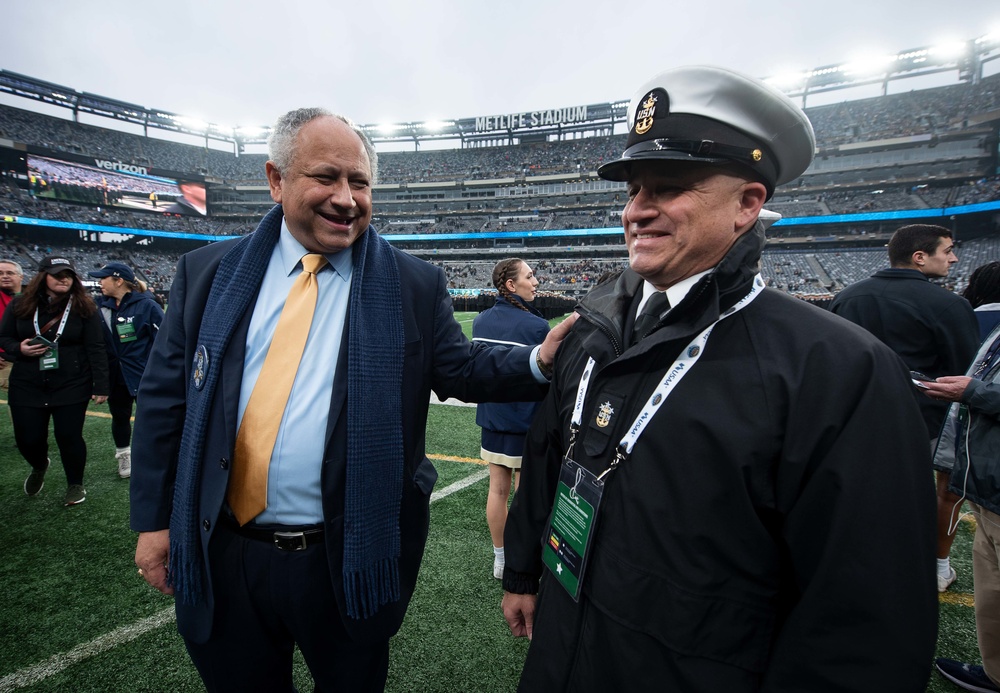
[294,495]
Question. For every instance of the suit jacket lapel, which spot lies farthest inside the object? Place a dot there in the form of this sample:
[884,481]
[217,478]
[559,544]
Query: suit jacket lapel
[339,396]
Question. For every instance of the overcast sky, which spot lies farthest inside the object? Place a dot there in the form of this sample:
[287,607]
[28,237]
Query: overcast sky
[243,62]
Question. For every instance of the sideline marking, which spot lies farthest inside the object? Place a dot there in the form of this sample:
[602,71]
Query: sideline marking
[959,598]
[452,458]
[59,662]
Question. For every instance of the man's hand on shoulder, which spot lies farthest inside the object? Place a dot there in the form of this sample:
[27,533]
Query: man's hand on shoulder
[548,348]
[519,610]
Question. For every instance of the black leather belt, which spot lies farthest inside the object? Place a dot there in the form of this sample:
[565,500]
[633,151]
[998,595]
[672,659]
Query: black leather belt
[283,538]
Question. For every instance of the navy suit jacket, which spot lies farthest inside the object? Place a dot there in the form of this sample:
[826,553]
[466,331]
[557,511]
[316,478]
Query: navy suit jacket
[436,356]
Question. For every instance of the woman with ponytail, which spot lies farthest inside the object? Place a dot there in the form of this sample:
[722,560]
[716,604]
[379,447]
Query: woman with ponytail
[512,320]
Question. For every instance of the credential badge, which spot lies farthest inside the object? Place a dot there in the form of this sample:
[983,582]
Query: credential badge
[604,415]
[200,367]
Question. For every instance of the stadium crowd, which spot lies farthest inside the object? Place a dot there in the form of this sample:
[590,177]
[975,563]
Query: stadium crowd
[939,111]
[535,207]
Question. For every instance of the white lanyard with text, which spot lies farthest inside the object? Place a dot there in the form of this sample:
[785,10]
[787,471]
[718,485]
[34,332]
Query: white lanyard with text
[684,363]
[62,323]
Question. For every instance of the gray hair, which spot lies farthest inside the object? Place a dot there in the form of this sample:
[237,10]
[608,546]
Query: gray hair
[17,265]
[281,141]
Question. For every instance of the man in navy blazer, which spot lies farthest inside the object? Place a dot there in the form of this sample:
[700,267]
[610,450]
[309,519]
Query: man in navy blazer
[336,577]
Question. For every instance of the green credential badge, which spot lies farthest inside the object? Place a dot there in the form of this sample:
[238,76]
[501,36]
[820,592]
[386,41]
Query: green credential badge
[571,525]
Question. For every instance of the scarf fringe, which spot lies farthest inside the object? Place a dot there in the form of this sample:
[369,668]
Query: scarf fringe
[368,589]
[185,575]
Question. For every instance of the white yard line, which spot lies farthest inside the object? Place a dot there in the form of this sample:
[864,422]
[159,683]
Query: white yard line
[459,485]
[58,662]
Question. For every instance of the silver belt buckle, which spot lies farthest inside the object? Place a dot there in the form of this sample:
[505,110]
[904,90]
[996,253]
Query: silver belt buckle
[301,536]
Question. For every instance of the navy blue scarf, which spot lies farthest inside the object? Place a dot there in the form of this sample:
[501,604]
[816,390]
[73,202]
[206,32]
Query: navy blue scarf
[374,479]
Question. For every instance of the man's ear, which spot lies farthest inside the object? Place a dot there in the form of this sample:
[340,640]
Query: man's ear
[751,201]
[273,181]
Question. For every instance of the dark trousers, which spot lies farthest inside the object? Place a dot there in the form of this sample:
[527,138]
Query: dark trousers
[120,403]
[266,602]
[31,434]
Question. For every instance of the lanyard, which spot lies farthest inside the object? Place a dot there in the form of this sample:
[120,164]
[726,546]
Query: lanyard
[62,323]
[684,363]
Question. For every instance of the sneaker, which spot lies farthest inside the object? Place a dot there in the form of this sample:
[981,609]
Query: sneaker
[498,564]
[124,463]
[33,484]
[75,495]
[945,581]
[969,677]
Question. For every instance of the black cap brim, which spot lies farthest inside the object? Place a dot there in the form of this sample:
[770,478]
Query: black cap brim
[618,170]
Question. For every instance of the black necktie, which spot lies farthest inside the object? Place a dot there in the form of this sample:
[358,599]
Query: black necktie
[655,306]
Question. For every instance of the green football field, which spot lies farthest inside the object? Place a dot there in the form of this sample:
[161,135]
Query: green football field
[75,616]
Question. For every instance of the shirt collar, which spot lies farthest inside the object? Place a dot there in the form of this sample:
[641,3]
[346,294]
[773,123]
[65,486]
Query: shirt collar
[675,293]
[292,251]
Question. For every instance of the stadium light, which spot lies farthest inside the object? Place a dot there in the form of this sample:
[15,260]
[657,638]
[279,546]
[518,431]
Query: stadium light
[191,123]
[250,131]
[871,65]
[950,49]
[437,125]
[787,80]
[388,128]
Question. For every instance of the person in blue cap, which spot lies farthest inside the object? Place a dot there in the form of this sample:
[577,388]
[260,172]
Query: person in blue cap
[131,319]
[697,505]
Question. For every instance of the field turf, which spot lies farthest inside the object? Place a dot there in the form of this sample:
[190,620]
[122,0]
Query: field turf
[75,616]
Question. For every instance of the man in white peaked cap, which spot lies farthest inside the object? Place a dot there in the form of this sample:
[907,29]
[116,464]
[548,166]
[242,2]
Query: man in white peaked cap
[726,488]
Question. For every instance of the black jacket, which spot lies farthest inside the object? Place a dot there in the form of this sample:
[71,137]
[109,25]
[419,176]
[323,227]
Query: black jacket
[932,329]
[773,528]
[83,364]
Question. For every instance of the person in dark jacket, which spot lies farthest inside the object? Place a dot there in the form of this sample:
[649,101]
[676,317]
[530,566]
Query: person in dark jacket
[968,445]
[512,320]
[933,330]
[54,332]
[131,319]
[688,514]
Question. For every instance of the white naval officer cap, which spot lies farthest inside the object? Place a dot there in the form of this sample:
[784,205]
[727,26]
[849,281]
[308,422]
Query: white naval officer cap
[715,115]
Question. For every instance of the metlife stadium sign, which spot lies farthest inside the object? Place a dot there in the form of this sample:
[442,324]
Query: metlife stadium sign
[532,119]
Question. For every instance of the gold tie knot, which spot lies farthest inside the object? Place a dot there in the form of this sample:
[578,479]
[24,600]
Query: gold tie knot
[313,262]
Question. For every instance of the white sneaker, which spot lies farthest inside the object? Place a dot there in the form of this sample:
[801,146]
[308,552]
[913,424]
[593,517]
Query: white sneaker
[124,463]
[945,581]
[498,568]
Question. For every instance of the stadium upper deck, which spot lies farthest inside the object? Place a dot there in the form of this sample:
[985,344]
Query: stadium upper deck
[903,154]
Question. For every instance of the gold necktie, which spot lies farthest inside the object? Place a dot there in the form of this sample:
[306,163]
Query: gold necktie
[247,494]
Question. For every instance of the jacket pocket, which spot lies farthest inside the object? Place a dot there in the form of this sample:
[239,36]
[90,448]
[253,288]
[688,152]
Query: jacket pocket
[690,623]
[425,476]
